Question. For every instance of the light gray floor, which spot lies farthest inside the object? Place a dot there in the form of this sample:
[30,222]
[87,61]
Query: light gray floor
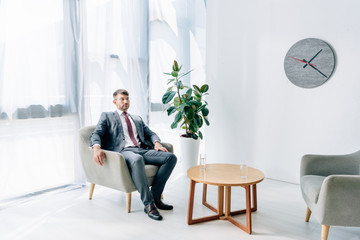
[70,215]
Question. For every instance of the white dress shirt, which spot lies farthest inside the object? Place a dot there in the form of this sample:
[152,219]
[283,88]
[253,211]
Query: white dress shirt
[128,142]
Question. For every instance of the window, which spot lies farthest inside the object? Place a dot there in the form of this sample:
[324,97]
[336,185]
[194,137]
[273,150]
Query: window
[37,138]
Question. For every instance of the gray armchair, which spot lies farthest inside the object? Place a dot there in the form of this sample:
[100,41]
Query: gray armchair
[330,186]
[114,173]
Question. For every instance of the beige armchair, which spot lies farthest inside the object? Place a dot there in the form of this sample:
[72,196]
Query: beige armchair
[114,173]
[330,185]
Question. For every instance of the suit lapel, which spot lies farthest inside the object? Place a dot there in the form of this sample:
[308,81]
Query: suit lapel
[118,121]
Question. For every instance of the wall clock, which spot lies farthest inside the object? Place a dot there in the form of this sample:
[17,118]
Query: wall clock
[309,63]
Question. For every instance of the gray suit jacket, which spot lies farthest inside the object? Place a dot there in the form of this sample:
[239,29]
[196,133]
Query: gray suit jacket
[109,132]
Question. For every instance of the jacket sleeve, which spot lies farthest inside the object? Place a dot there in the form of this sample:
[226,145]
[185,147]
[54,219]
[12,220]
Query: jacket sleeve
[100,130]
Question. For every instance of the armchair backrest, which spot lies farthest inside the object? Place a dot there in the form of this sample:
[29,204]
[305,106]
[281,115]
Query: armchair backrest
[84,143]
[325,165]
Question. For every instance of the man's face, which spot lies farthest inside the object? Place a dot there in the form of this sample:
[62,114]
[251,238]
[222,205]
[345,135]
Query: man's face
[122,102]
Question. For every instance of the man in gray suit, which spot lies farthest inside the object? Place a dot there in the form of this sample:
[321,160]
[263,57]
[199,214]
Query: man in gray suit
[128,134]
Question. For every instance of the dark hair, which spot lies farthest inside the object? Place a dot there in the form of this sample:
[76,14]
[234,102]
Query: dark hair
[120,91]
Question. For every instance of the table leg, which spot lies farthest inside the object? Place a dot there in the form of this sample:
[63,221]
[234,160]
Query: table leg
[254,200]
[227,201]
[191,202]
[248,208]
[220,197]
[190,219]
[220,200]
[247,228]
[204,193]
[254,203]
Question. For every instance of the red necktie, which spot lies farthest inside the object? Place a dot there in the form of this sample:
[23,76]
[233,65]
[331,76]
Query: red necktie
[131,133]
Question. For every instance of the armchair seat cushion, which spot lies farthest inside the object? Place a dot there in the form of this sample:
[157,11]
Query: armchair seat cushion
[311,185]
[151,170]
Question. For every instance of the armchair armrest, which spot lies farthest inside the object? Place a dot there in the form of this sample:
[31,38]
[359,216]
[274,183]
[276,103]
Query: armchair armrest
[325,165]
[339,200]
[168,146]
[114,173]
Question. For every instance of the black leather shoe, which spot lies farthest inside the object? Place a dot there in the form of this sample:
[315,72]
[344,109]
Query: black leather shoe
[160,205]
[152,212]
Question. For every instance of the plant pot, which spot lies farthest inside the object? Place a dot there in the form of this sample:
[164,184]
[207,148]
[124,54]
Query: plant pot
[189,148]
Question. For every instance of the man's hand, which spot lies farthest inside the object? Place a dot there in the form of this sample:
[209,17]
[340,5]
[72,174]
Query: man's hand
[159,147]
[99,155]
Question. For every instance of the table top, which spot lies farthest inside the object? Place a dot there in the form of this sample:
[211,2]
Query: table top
[224,175]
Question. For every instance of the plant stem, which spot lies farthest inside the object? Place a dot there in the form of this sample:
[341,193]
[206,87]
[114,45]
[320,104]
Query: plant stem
[178,92]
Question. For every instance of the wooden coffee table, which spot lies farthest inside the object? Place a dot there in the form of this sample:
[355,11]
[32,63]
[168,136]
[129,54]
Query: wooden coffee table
[224,176]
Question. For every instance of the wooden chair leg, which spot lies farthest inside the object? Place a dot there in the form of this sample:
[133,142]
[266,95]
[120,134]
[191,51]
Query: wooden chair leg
[92,186]
[308,213]
[324,232]
[128,201]
[162,196]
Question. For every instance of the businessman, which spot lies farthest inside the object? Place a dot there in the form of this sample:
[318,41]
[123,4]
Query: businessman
[126,133]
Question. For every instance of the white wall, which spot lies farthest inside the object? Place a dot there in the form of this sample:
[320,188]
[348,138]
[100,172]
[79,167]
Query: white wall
[257,114]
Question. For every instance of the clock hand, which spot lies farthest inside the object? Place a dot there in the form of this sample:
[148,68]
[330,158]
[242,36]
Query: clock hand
[304,61]
[312,58]
[318,70]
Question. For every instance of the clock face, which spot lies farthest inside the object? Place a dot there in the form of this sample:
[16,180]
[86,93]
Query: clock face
[309,63]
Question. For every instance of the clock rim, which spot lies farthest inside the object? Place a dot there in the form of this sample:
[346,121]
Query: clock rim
[332,66]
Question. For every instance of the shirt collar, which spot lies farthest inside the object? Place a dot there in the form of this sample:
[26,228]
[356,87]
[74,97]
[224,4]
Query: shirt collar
[120,112]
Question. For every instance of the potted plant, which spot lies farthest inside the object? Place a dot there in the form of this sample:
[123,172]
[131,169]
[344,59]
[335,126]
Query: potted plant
[190,109]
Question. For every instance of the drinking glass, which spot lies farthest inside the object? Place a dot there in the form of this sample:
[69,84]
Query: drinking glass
[202,161]
[243,170]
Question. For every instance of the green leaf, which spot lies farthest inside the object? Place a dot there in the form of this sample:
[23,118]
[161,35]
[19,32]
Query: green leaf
[189,112]
[197,119]
[169,89]
[176,66]
[205,111]
[194,136]
[184,99]
[194,102]
[174,73]
[171,110]
[171,80]
[182,107]
[178,84]
[201,122]
[204,88]
[173,125]
[197,95]
[200,135]
[189,91]
[201,108]
[177,119]
[206,121]
[184,74]
[193,127]
[197,88]
[168,96]
[177,101]
[167,74]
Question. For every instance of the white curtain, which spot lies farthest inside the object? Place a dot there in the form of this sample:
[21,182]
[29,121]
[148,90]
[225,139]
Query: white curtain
[177,30]
[60,62]
[115,55]
[38,104]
